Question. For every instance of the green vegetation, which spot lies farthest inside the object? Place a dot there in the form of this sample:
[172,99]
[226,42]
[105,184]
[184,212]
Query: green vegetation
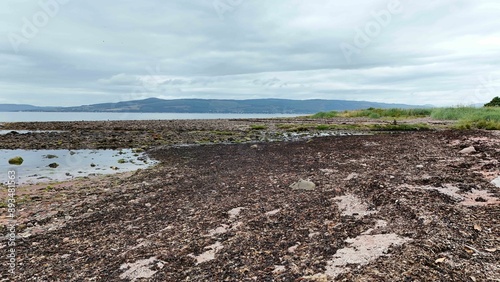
[331,114]
[122,161]
[377,113]
[493,103]
[468,117]
[258,127]
[49,188]
[322,127]
[16,161]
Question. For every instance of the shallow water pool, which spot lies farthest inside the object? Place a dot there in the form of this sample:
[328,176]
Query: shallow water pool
[58,165]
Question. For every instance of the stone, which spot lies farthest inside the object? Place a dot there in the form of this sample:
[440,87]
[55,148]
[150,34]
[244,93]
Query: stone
[53,165]
[16,161]
[303,185]
[352,176]
[496,182]
[468,150]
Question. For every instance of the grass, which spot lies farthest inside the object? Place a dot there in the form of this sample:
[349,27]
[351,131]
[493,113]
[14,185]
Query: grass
[377,113]
[322,127]
[470,117]
[258,127]
[466,117]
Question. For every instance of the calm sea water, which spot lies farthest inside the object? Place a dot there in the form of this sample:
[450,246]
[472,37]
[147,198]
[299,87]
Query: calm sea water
[44,116]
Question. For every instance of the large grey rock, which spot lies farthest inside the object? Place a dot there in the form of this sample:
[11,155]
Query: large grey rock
[303,185]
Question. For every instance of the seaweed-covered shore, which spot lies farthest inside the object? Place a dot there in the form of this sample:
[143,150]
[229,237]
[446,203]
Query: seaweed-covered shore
[411,206]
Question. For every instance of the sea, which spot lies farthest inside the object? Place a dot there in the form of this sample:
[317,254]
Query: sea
[99,116]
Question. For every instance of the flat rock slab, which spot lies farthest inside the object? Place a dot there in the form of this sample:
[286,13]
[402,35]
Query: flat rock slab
[363,249]
[303,185]
[140,269]
[351,205]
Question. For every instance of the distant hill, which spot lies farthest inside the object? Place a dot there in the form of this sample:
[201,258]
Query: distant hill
[272,106]
[20,107]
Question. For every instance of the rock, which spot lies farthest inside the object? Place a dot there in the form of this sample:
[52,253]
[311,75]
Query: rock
[16,161]
[496,182]
[420,166]
[49,156]
[468,150]
[303,185]
[352,176]
[320,277]
[255,146]
[53,165]
[293,248]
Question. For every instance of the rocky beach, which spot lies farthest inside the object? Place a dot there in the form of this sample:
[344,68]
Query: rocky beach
[291,199]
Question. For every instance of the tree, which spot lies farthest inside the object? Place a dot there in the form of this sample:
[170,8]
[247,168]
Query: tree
[494,103]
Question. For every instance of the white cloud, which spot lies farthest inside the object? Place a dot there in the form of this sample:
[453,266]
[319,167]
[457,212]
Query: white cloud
[433,52]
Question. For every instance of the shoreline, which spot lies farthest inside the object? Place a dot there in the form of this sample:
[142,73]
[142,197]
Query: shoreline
[153,133]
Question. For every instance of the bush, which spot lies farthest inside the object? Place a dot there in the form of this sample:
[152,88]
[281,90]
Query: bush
[493,103]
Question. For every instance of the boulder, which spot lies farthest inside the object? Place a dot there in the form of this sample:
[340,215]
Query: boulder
[468,150]
[303,185]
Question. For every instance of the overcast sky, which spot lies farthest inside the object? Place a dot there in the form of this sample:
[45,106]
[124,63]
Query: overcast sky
[68,52]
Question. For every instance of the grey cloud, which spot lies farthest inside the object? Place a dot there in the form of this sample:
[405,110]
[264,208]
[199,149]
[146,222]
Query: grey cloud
[433,52]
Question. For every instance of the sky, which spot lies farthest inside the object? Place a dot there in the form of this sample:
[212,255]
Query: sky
[69,52]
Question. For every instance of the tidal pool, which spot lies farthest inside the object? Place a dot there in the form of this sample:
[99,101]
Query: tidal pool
[58,165]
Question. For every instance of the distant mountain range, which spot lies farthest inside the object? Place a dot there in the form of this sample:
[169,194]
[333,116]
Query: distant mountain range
[271,106]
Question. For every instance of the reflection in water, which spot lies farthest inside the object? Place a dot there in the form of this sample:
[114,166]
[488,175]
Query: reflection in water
[59,165]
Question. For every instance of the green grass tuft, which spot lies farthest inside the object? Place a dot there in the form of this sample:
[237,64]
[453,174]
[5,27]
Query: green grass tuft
[331,114]
[258,127]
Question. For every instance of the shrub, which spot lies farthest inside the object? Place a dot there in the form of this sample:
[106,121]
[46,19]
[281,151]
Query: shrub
[493,103]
